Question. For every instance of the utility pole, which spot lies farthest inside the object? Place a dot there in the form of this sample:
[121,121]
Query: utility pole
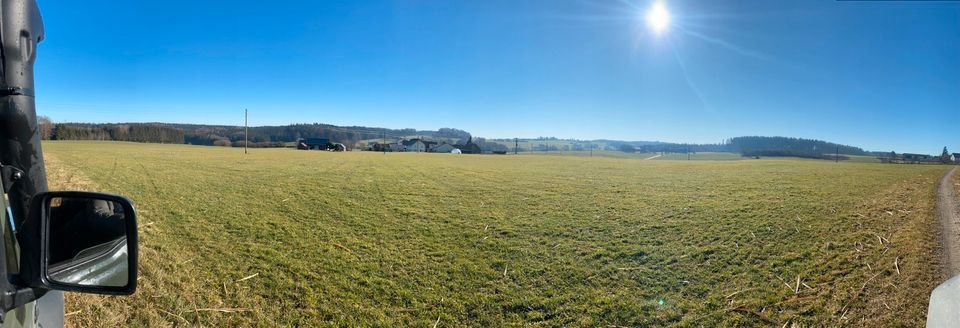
[516,145]
[591,149]
[246,140]
[837,158]
[384,145]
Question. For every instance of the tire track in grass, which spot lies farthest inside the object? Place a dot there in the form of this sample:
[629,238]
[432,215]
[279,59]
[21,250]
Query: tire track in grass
[64,177]
[84,310]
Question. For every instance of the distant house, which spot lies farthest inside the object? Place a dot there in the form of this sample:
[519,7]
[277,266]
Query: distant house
[413,145]
[956,158]
[442,148]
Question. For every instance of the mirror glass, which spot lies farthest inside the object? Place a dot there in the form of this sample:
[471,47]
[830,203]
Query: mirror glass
[87,242]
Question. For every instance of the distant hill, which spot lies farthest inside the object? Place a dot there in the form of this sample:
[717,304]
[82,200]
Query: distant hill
[746,146]
[359,136]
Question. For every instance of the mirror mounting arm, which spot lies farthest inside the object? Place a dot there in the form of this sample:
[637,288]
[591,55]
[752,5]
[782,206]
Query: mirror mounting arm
[10,174]
[19,297]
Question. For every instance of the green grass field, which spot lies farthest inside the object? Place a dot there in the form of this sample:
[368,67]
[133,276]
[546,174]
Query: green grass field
[645,156]
[282,237]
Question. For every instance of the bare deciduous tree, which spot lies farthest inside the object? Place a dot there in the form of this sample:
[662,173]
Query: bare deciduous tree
[46,127]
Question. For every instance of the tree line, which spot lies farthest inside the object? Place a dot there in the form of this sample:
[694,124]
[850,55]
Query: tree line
[783,146]
[752,146]
[223,135]
[277,136]
[118,132]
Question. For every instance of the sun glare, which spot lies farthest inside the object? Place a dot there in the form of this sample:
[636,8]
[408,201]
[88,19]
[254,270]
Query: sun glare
[658,17]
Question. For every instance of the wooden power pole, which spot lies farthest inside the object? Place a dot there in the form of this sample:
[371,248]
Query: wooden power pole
[246,139]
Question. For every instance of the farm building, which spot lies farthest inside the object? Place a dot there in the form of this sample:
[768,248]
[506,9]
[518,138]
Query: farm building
[469,147]
[907,158]
[384,147]
[915,157]
[413,145]
[429,145]
[442,148]
[313,143]
[419,145]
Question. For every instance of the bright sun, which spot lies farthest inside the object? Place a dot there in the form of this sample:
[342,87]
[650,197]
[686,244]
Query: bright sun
[658,17]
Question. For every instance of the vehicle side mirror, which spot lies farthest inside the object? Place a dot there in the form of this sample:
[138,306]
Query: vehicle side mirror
[81,241]
[944,309]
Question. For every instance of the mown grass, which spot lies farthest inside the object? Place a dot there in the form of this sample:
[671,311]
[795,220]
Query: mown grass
[407,239]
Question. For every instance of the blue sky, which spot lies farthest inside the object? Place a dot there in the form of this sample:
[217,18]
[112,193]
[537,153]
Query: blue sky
[881,75]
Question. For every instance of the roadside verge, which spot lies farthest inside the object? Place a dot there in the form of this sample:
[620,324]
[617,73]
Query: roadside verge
[948,210]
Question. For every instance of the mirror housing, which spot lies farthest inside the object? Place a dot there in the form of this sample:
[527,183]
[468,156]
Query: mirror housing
[944,308]
[80,241]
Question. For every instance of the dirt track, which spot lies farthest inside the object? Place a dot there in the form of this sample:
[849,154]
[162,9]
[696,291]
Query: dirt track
[948,210]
